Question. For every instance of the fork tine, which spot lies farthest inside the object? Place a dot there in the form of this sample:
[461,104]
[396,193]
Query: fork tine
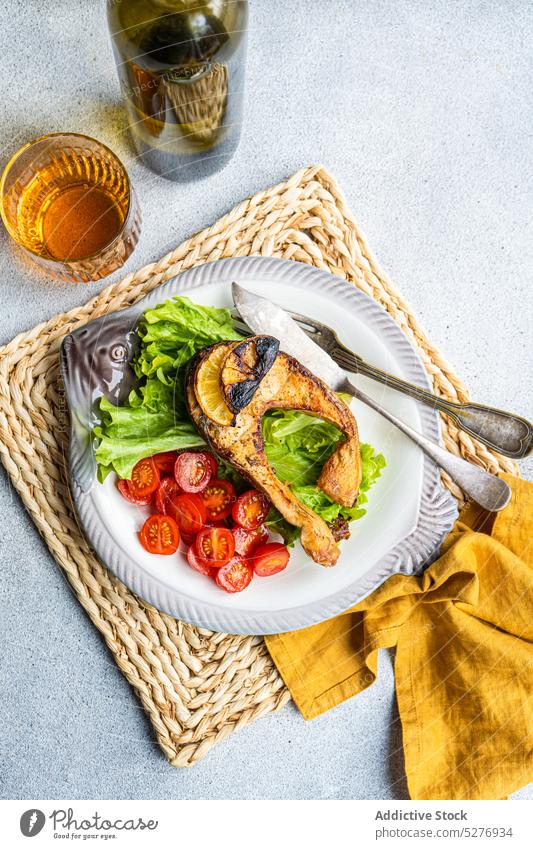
[306,322]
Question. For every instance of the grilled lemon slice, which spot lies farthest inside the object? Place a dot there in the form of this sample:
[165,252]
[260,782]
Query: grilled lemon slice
[244,368]
[207,386]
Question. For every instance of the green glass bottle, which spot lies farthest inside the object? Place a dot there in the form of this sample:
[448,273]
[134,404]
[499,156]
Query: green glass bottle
[181,66]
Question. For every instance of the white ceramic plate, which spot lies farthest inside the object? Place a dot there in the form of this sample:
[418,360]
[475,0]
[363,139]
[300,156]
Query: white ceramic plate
[409,512]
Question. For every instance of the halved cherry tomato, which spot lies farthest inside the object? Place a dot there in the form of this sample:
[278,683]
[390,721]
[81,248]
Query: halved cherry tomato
[215,546]
[189,512]
[246,542]
[160,534]
[270,558]
[126,491]
[193,471]
[251,509]
[166,491]
[235,575]
[194,561]
[144,477]
[213,463]
[165,461]
[216,523]
[218,497]
[188,539]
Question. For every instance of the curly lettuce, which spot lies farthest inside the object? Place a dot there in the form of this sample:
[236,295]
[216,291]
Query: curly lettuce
[297,446]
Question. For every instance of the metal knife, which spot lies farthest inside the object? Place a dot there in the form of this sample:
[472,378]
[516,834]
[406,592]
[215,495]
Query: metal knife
[263,316]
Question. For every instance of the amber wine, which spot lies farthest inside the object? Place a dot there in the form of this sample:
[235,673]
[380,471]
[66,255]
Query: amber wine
[181,68]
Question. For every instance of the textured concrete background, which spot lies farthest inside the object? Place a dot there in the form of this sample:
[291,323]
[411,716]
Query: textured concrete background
[423,111]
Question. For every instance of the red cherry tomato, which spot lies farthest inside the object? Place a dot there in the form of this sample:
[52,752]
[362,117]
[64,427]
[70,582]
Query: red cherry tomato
[246,542]
[165,462]
[189,512]
[126,491]
[270,558]
[213,463]
[218,497]
[166,491]
[188,539]
[144,477]
[251,509]
[160,534]
[193,471]
[194,561]
[215,546]
[234,576]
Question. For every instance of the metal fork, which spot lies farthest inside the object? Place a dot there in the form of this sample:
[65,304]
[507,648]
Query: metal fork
[506,433]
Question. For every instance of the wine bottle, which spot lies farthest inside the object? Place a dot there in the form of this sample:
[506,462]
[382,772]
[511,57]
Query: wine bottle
[181,67]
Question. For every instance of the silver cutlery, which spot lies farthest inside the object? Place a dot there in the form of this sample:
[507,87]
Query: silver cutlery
[262,316]
[507,433]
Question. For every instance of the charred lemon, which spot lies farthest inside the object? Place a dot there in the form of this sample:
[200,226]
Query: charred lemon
[244,367]
[207,385]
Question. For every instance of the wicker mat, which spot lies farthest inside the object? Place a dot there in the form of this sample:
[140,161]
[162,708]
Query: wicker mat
[196,686]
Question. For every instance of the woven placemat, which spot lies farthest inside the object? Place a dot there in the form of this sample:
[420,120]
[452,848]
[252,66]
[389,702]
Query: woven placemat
[196,686]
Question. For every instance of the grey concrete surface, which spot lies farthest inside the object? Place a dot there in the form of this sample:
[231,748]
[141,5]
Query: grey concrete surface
[423,111]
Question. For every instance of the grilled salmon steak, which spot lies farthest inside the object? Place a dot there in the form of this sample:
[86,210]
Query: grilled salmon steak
[254,376]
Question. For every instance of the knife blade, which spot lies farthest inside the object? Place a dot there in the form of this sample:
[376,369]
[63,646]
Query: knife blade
[265,317]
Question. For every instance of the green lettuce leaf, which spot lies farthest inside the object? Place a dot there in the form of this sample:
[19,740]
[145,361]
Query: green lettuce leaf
[127,434]
[297,446]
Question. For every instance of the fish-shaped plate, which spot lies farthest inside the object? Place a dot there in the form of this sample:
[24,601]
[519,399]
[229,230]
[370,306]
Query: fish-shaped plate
[409,511]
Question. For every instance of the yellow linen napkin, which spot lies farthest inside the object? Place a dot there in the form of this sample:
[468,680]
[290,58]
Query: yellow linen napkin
[463,667]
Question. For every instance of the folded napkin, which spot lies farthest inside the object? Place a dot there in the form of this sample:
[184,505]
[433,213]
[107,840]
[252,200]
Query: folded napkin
[462,632]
